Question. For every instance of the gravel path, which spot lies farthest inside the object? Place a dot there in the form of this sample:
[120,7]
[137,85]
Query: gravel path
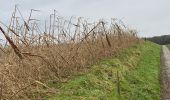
[165,73]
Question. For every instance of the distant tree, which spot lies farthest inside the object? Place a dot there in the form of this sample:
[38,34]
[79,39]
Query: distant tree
[162,40]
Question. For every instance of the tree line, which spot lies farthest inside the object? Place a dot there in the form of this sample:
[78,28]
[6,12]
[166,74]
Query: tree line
[162,40]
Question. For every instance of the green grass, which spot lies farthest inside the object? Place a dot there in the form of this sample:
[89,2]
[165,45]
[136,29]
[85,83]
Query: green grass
[142,83]
[168,46]
[132,75]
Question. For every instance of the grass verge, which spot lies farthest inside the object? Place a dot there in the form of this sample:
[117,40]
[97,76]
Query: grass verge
[168,46]
[132,75]
[142,83]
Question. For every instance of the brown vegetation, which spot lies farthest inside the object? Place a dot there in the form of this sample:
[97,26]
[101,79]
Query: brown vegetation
[33,57]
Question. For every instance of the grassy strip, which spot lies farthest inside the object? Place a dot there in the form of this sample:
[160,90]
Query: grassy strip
[168,46]
[123,77]
[142,83]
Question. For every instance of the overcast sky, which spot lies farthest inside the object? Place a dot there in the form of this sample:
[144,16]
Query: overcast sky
[149,17]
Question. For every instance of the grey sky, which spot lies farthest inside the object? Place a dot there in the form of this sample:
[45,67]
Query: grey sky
[149,17]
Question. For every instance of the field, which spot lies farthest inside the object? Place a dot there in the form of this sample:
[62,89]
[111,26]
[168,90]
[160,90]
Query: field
[132,75]
[76,59]
[32,57]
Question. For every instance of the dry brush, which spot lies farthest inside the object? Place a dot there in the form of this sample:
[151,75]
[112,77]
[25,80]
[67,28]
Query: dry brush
[32,57]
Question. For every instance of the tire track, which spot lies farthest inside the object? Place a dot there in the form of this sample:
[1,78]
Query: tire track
[165,73]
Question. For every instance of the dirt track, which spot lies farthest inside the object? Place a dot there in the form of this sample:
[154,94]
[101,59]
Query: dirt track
[165,73]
